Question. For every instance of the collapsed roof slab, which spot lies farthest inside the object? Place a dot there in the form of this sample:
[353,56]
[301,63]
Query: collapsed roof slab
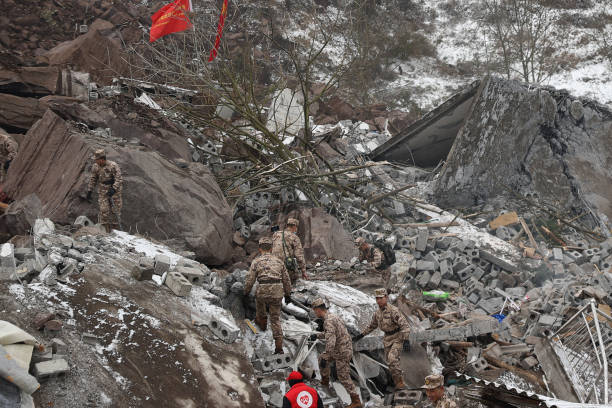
[427,141]
[538,142]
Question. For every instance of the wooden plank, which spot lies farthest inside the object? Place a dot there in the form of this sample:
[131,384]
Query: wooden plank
[508,218]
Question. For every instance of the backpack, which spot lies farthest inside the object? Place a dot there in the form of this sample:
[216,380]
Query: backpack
[388,253]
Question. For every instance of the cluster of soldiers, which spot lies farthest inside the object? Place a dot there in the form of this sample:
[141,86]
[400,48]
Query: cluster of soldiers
[277,268]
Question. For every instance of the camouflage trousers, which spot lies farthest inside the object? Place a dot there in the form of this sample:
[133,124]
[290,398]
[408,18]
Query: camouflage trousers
[343,370]
[393,352]
[107,215]
[272,306]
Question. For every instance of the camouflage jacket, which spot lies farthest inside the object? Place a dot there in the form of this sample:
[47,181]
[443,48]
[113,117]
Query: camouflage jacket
[107,176]
[338,343]
[373,255]
[293,247]
[8,148]
[392,322]
[272,276]
[446,402]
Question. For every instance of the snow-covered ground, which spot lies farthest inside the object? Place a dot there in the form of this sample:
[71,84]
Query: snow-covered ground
[461,44]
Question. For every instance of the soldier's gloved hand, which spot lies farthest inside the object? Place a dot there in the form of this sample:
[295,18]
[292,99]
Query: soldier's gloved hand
[358,337]
[89,196]
[111,192]
[288,299]
[313,337]
[7,164]
[406,346]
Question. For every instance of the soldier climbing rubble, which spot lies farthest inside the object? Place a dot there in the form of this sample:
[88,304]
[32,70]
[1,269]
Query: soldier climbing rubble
[271,275]
[286,245]
[392,322]
[374,256]
[107,175]
[338,348]
[434,388]
[8,151]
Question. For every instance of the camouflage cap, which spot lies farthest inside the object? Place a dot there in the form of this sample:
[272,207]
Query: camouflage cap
[382,292]
[433,381]
[293,221]
[359,241]
[100,154]
[318,303]
[265,242]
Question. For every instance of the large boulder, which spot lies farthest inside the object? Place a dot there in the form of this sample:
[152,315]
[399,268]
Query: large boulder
[18,113]
[159,198]
[19,217]
[322,235]
[30,81]
[539,142]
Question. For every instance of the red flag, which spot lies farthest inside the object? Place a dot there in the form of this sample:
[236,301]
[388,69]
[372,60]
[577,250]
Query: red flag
[215,50]
[169,19]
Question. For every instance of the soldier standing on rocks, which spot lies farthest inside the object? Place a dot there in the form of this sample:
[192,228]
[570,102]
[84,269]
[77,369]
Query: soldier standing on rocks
[392,322]
[107,175]
[338,348]
[374,256]
[288,247]
[270,273]
[434,388]
[8,151]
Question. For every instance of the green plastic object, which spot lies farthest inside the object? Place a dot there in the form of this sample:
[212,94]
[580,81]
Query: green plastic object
[436,295]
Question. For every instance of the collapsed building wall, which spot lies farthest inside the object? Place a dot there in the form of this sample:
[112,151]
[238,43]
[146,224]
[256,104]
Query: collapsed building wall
[539,142]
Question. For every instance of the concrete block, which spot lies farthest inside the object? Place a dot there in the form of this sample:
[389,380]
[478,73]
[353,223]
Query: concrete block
[465,273]
[547,320]
[52,368]
[460,263]
[273,362]
[529,362]
[557,254]
[223,328]
[445,269]
[477,273]
[479,365]
[421,242]
[405,397]
[58,346]
[448,255]
[491,305]
[23,254]
[48,275]
[423,279]
[40,356]
[178,284]
[433,258]
[473,298]
[90,338]
[434,281]
[497,261]
[449,285]
[193,275]
[7,261]
[425,266]
[162,264]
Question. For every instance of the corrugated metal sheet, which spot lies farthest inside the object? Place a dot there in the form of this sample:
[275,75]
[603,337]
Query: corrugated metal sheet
[544,401]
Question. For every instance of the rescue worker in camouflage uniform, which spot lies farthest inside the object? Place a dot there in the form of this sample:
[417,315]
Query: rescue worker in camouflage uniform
[270,273]
[374,256]
[107,175]
[338,348]
[434,388]
[292,248]
[8,151]
[394,325]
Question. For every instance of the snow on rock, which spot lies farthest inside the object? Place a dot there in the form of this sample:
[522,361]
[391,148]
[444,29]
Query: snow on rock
[144,246]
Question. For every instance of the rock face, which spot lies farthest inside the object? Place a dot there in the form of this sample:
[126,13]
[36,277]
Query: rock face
[159,198]
[539,142]
[323,236]
[17,114]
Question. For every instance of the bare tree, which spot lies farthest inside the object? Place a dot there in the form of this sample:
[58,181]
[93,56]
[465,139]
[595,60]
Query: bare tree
[522,31]
[250,93]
